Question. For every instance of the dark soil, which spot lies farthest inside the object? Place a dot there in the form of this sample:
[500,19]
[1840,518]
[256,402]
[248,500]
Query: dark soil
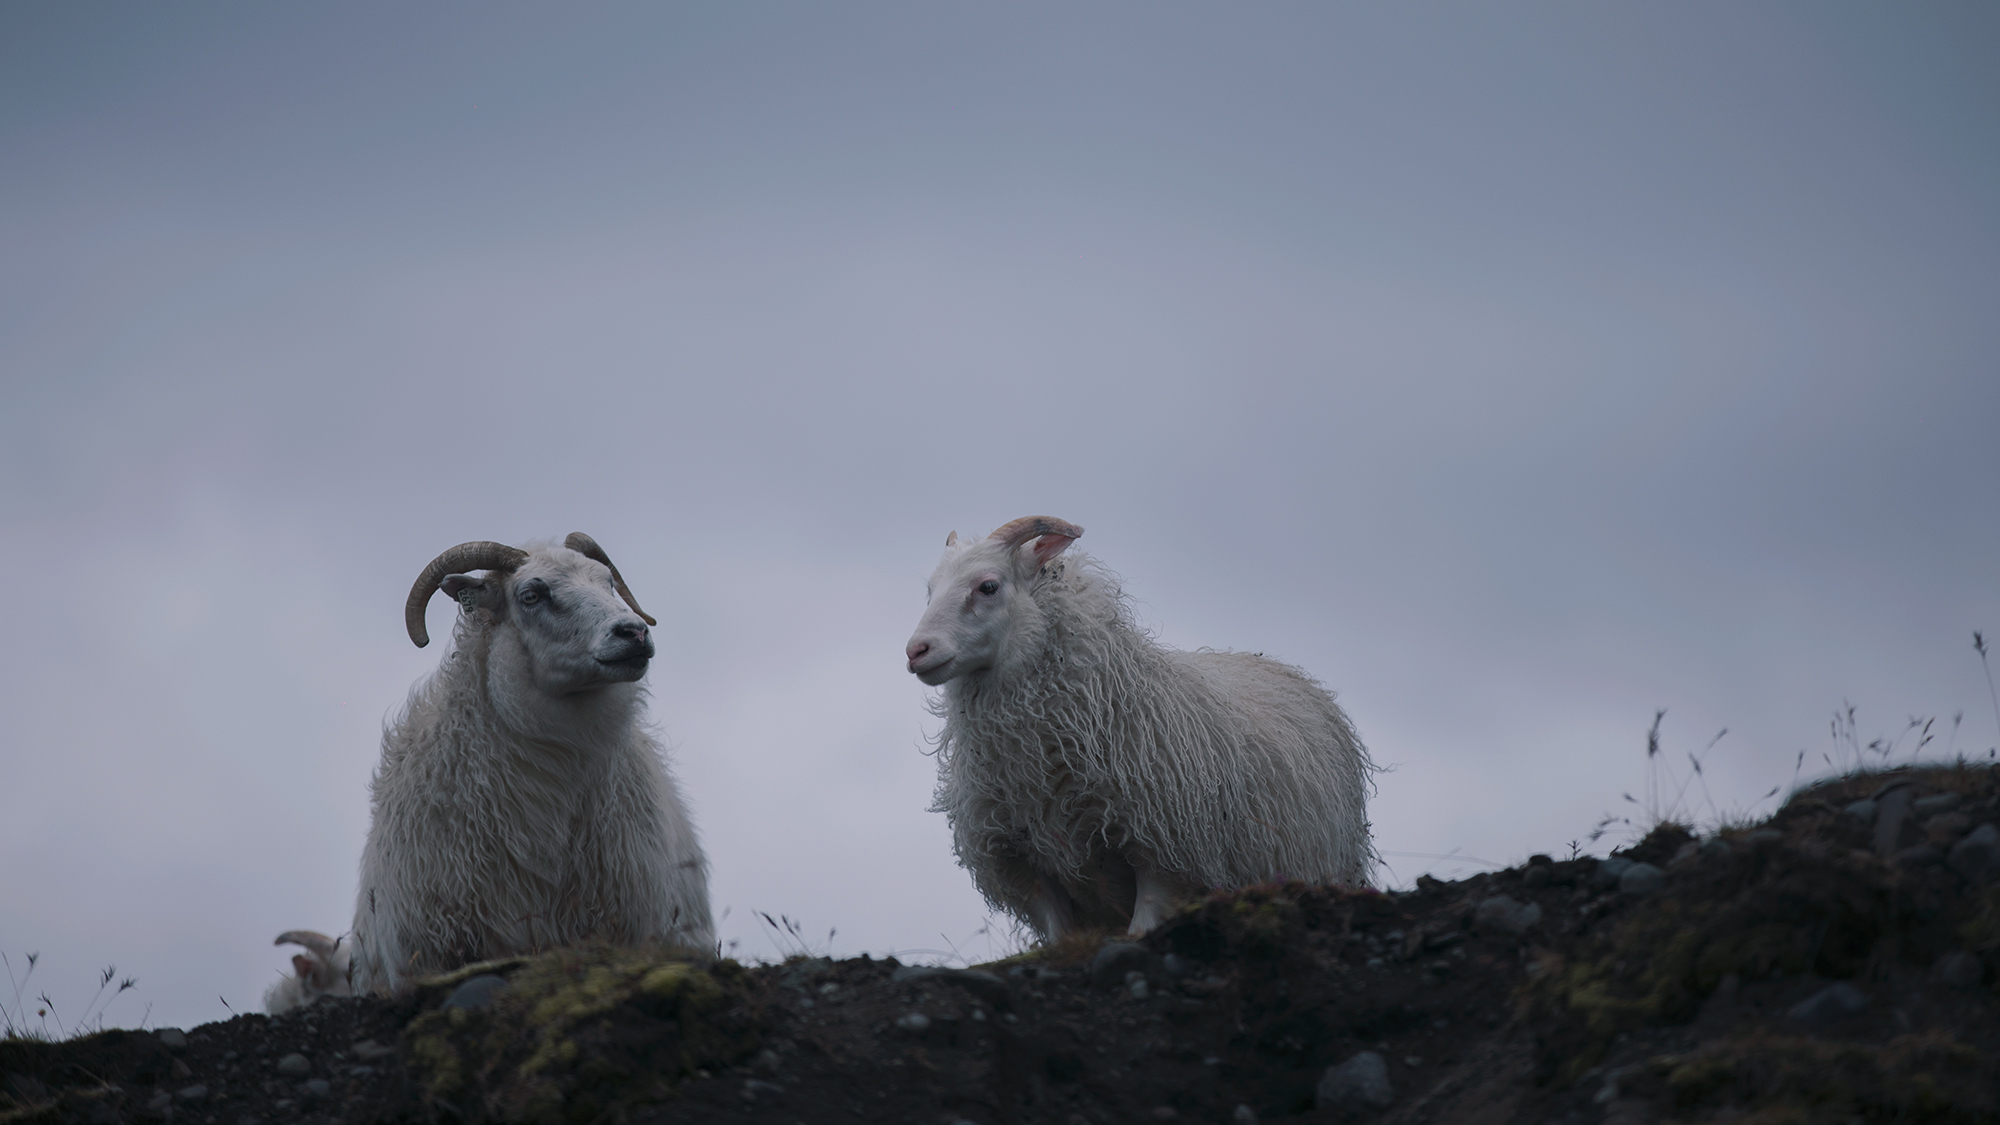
[1818,967]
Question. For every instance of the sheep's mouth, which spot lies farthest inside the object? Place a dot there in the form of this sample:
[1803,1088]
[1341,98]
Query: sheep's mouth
[935,674]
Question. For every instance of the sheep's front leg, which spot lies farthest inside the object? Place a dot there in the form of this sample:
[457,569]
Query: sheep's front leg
[1155,894]
[1054,910]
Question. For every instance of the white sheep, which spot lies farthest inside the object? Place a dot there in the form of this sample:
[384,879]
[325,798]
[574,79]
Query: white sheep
[521,802]
[1091,775]
[322,970]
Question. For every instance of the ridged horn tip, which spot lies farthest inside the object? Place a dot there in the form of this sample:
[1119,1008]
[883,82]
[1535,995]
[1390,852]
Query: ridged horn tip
[587,547]
[317,942]
[1016,532]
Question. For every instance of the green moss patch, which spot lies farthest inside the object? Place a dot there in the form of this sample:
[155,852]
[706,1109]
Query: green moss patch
[1769,1078]
[580,1033]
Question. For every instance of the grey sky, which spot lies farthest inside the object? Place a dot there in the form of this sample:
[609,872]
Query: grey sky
[1514,370]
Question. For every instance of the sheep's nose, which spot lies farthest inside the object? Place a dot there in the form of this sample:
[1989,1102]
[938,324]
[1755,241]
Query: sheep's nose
[629,630]
[917,650]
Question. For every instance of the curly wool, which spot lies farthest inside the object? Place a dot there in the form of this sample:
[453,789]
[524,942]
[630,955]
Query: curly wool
[501,829]
[1221,768]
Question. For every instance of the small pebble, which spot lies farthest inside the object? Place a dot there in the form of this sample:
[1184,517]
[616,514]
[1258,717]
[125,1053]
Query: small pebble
[1958,969]
[1863,811]
[1608,871]
[914,1022]
[1243,1115]
[316,1088]
[1923,855]
[1976,858]
[477,993]
[1831,1004]
[294,1065]
[1504,915]
[1361,1081]
[171,1038]
[1935,803]
[1108,968]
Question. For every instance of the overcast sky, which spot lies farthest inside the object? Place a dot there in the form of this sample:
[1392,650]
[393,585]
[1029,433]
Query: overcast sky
[1516,370]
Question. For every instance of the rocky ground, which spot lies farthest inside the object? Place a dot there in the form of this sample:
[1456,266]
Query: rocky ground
[1835,963]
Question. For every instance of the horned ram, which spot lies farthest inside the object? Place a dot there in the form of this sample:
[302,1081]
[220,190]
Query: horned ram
[520,802]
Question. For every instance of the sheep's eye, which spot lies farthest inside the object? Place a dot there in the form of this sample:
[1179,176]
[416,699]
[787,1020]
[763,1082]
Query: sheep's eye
[989,587]
[533,592]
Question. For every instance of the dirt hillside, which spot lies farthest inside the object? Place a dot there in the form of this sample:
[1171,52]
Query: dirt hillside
[1836,963]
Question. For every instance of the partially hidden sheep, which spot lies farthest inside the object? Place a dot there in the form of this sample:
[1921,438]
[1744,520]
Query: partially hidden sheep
[1091,776]
[520,803]
[324,969]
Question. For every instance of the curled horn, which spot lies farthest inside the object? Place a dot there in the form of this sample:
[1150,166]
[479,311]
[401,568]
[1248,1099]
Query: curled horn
[1019,531]
[587,547]
[479,554]
[321,945]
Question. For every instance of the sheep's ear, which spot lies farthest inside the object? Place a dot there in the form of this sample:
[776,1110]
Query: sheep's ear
[1049,546]
[951,540]
[470,593]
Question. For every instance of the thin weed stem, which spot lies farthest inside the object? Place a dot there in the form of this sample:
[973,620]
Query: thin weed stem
[1979,646]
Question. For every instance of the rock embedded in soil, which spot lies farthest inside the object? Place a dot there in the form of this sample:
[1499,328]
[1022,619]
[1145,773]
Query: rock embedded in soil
[1895,808]
[1976,858]
[1935,803]
[1608,871]
[479,992]
[1957,969]
[1108,968]
[1360,1082]
[172,1038]
[916,1023]
[981,984]
[1503,915]
[1829,1005]
[1641,879]
[294,1065]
